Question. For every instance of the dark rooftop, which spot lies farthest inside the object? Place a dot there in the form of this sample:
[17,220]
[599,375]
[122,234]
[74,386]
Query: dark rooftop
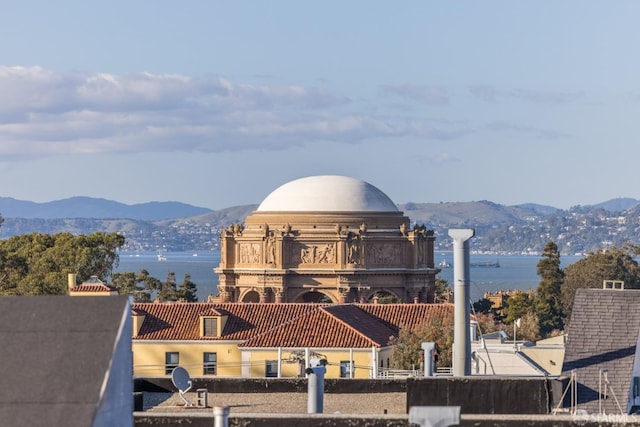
[603,333]
[55,354]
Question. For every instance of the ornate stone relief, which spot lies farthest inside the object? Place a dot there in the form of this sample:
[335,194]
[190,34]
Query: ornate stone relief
[250,253]
[383,253]
[314,253]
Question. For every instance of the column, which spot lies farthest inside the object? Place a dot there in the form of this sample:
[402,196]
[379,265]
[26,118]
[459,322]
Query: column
[461,333]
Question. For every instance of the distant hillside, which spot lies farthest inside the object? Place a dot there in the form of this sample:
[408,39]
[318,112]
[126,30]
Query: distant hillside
[466,214]
[87,207]
[456,214]
[617,205]
[221,218]
[169,226]
[542,209]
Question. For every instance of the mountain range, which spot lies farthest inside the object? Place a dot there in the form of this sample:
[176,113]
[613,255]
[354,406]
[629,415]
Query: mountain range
[97,208]
[175,226]
[88,207]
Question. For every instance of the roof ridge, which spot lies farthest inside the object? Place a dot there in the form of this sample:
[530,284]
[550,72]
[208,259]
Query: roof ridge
[317,312]
[353,328]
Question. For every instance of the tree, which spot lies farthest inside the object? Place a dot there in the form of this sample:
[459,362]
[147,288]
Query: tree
[407,352]
[483,305]
[548,299]
[169,289]
[528,330]
[590,272]
[441,291]
[487,322]
[141,285]
[517,305]
[386,298]
[188,289]
[39,263]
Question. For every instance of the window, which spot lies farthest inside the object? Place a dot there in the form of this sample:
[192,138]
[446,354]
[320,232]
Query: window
[210,327]
[345,369]
[171,360]
[210,363]
[271,369]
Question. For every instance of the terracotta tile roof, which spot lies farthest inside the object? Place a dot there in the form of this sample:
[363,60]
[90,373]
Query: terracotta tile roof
[213,312]
[93,287]
[181,321]
[398,316]
[288,325]
[335,326]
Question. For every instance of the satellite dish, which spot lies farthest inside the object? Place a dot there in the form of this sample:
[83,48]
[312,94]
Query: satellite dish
[182,381]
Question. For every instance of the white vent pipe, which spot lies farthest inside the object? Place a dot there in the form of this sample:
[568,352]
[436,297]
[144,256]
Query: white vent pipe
[461,294]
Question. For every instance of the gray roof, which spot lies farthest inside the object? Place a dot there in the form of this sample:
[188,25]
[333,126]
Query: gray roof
[603,332]
[55,353]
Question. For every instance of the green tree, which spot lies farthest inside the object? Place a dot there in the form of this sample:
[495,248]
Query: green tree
[590,272]
[517,305]
[39,263]
[169,289]
[548,298]
[483,305]
[386,298]
[188,289]
[441,291]
[140,286]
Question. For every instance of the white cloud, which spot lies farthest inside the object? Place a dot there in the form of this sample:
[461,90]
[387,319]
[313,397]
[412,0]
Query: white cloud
[47,113]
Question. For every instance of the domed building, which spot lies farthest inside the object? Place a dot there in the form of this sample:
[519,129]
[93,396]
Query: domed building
[326,239]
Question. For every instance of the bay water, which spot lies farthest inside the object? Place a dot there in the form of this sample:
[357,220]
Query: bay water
[515,271]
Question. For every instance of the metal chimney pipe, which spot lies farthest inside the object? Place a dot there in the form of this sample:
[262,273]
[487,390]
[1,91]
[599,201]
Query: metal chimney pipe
[461,295]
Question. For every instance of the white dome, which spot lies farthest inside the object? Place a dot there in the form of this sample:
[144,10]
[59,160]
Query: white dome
[327,193]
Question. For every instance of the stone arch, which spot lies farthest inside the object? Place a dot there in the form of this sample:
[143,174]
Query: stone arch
[313,296]
[384,296]
[250,296]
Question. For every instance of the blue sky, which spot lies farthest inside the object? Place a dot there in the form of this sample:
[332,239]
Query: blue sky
[218,103]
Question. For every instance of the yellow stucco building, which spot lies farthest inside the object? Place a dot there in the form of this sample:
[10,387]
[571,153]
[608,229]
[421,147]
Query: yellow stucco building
[271,340]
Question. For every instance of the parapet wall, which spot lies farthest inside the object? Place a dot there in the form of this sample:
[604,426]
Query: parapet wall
[474,395]
[486,395]
[272,385]
[335,420]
